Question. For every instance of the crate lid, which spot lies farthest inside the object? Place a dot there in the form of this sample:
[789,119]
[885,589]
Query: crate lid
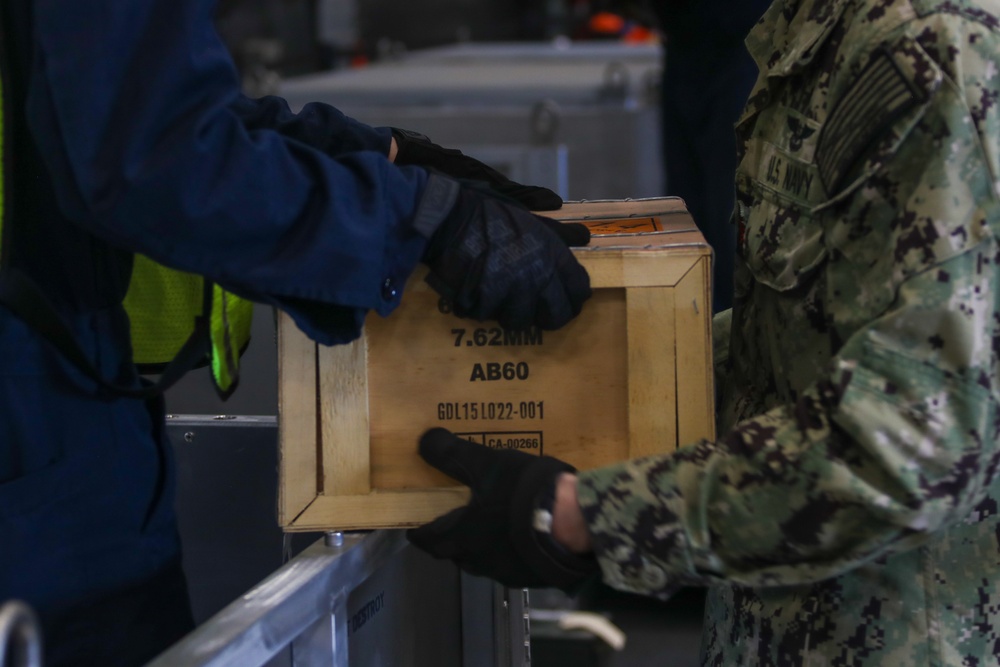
[650,223]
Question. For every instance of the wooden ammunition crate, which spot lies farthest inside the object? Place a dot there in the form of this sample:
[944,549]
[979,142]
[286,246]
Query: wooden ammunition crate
[631,376]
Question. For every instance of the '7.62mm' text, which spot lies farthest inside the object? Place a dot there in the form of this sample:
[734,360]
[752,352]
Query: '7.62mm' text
[496,337]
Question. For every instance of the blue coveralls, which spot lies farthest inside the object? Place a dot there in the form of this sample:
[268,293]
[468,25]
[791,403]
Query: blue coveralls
[707,77]
[127,133]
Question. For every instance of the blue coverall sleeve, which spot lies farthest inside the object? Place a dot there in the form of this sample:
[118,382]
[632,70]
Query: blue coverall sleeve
[319,125]
[136,108]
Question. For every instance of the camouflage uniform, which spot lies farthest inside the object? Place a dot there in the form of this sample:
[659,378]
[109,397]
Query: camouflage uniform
[848,514]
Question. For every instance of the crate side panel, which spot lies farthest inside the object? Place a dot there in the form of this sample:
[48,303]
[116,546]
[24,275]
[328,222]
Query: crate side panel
[695,380]
[298,426]
[652,371]
[561,393]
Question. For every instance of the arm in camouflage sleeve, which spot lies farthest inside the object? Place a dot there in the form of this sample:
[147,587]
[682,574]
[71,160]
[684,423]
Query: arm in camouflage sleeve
[898,439]
[722,325]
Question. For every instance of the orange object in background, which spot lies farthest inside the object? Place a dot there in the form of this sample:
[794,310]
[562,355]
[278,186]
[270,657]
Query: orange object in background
[609,24]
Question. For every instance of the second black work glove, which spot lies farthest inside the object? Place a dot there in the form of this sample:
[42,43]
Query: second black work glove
[416,149]
[496,261]
[495,535]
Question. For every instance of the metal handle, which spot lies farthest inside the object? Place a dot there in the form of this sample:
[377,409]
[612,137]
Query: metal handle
[616,82]
[545,117]
[20,638]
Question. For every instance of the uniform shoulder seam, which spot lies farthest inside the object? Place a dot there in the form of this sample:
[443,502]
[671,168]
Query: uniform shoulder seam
[960,8]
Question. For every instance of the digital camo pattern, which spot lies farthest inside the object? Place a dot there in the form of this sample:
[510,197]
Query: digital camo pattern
[850,512]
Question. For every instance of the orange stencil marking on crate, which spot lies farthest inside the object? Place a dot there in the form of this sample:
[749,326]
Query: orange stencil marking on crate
[623,226]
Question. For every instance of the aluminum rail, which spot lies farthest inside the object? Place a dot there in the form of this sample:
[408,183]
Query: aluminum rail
[303,604]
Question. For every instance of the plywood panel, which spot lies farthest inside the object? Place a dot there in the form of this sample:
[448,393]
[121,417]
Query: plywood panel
[652,372]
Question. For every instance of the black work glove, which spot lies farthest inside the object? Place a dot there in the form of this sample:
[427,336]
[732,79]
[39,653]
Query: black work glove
[416,149]
[496,261]
[494,535]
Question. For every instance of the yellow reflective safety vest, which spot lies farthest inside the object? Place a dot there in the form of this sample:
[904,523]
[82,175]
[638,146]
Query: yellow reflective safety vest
[178,320]
[164,306]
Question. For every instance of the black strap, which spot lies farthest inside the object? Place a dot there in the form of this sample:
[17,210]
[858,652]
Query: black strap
[23,297]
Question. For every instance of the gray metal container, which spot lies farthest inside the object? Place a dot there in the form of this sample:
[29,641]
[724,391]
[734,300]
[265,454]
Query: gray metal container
[402,608]
[581,119]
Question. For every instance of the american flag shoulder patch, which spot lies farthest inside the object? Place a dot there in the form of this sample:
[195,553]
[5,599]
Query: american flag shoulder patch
[879,95]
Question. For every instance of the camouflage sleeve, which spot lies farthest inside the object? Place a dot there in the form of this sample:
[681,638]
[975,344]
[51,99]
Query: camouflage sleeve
[722,324]
[897,439]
